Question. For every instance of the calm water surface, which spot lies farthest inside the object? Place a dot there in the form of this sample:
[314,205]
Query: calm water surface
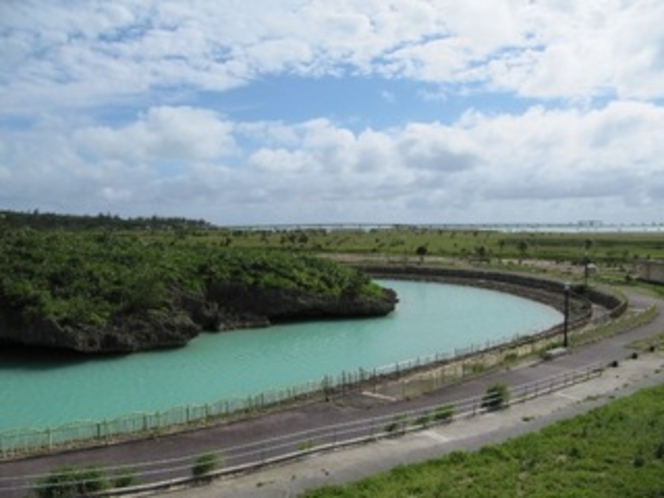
[430,318]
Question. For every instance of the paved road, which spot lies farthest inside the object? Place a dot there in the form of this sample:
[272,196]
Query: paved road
[352,464]
[348,465]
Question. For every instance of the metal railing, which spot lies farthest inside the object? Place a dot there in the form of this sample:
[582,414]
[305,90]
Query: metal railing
[174,472]
[23,441]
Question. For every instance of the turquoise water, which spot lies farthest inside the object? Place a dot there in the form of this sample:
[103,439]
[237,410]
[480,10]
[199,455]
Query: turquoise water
[430,318]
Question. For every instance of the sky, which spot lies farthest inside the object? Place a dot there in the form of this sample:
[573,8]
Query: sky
[245,112]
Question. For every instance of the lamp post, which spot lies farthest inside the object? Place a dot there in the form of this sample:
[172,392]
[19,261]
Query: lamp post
[567,288]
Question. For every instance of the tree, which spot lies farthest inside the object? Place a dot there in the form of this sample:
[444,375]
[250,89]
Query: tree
[523,249]
[421,251]
[587,245]
[482,253]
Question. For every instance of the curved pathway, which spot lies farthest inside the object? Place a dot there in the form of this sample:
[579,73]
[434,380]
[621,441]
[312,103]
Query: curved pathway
[473,433]
[351,464]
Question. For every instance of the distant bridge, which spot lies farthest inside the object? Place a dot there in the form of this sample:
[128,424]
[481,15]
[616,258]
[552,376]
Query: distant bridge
[581,227]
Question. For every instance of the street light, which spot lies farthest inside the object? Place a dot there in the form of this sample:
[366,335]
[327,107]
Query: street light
[567,288]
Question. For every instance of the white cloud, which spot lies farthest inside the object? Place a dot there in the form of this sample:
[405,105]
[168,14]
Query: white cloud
[62,69]
[57,56]
[163,133]
[568,164]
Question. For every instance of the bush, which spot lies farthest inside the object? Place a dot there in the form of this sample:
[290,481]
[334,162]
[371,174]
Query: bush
[443,413]
[424,420]
[496,397]
[125,478]
[398,423]
[205,465]
[72,482]
[659,451]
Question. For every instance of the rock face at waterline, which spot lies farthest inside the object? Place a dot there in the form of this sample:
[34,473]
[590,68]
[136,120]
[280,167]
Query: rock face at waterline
[226,306]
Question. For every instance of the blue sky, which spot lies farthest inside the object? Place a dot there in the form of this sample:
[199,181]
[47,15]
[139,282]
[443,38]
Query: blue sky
[306,111]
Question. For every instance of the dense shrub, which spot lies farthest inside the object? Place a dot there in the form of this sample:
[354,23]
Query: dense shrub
[496,397]
[84,278]
[72,482]
[204,465]
[443,413]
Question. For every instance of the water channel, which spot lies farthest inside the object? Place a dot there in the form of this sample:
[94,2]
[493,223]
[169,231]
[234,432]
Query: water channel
[430,318]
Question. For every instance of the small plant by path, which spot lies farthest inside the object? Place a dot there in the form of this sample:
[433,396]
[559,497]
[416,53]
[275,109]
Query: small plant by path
[72,482]
[203,466]
[496,397]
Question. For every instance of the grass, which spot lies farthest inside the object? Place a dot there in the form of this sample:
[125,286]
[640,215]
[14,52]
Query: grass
[608,249]
[204,465]
[654,343]
[613,451]
[628,321]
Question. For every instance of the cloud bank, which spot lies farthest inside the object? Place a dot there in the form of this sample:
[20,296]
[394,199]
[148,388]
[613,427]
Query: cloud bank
[112,106]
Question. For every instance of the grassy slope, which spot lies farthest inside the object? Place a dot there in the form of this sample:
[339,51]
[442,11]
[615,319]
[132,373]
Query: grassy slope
[614,451]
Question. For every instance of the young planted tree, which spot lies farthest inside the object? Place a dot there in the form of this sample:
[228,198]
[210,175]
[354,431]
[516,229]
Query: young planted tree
[496,397]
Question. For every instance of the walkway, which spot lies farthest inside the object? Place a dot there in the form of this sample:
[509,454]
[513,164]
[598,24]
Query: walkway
[347,465]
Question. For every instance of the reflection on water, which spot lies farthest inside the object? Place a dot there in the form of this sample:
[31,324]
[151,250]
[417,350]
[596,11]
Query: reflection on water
[39,388]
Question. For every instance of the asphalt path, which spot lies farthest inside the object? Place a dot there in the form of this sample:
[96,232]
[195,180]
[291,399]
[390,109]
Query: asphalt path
[351,464]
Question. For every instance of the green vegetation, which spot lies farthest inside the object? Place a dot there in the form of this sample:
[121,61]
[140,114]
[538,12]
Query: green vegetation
[444,413]
[49,221]
[496,397]
[614,451]
[124,478]
[204,466]
[397,425]
[93,277]
[70,482]
[607,249]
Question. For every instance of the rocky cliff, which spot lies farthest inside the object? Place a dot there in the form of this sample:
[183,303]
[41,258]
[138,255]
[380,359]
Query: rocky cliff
[223,306]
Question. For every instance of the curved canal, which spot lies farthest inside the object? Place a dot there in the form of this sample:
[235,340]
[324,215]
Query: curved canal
[430,318]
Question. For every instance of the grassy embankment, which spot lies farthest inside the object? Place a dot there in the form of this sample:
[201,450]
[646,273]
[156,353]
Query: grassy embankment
[614,451]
